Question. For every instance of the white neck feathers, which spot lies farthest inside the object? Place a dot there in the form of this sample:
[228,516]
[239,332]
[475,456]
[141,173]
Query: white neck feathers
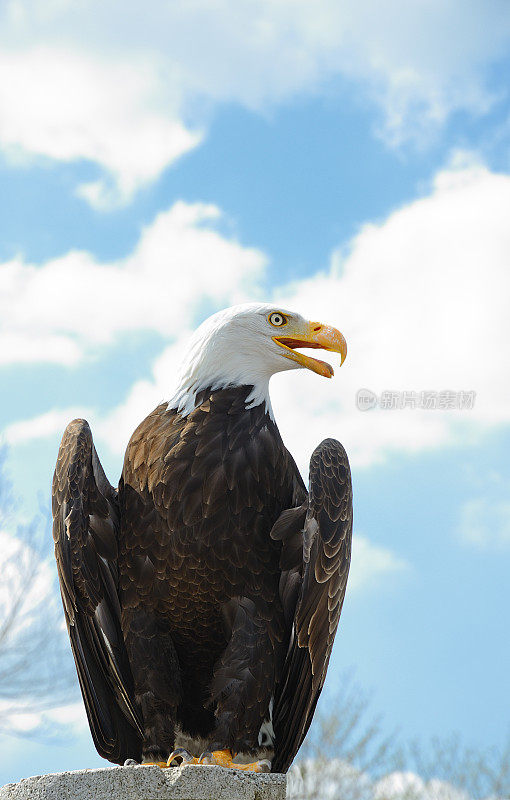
[227,350]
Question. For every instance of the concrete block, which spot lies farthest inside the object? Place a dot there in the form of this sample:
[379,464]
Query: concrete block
[149,783]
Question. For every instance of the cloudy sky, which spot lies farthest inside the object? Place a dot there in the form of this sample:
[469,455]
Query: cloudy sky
[348,160]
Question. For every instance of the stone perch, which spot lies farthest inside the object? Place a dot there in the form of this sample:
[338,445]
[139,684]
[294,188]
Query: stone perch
[149,783]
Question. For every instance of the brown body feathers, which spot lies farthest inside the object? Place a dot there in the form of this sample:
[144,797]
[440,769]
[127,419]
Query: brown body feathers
[204,595]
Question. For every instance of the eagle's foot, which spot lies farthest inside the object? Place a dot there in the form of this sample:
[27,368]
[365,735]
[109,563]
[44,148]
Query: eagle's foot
[180,756]
[223,758]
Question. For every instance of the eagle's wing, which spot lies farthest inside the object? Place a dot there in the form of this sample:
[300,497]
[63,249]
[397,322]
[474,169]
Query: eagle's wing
[85,529]
[312,593]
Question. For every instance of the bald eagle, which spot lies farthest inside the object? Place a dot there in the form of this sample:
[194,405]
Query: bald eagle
[203,595]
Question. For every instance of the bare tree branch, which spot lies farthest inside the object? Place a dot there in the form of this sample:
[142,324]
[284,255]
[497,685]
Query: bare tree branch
[36,671]
[346,756]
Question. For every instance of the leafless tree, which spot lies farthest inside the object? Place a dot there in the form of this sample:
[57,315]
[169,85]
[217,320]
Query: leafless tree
[345,748]
[35,667]
[479,772]
[346,756]
[350,731]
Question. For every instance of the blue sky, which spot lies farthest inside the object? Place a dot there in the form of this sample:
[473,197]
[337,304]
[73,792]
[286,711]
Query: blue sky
[352,164]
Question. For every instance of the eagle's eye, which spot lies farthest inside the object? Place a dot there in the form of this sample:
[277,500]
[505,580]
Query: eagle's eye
[277,319]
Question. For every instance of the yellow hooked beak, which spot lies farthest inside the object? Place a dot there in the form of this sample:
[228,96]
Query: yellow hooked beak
[312,334]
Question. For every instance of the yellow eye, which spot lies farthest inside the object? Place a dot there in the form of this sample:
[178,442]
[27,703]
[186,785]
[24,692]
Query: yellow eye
[277,319]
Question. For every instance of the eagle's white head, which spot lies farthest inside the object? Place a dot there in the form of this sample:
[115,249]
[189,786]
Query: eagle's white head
[246,345]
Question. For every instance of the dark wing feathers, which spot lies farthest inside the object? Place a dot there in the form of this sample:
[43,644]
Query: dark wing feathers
[317,597]
[315,536]
[85,527]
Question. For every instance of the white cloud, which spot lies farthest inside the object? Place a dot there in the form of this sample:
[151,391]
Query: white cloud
[19,347]
[118,87]
[80,106]
[485,523]
[73,305]
[421,298]
[21,718]
[484,519]
[370,562]
[48,424]
[117,426]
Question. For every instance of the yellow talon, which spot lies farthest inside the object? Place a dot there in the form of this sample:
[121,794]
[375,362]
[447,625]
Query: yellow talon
[223,758]
[180,757]
[219,758]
